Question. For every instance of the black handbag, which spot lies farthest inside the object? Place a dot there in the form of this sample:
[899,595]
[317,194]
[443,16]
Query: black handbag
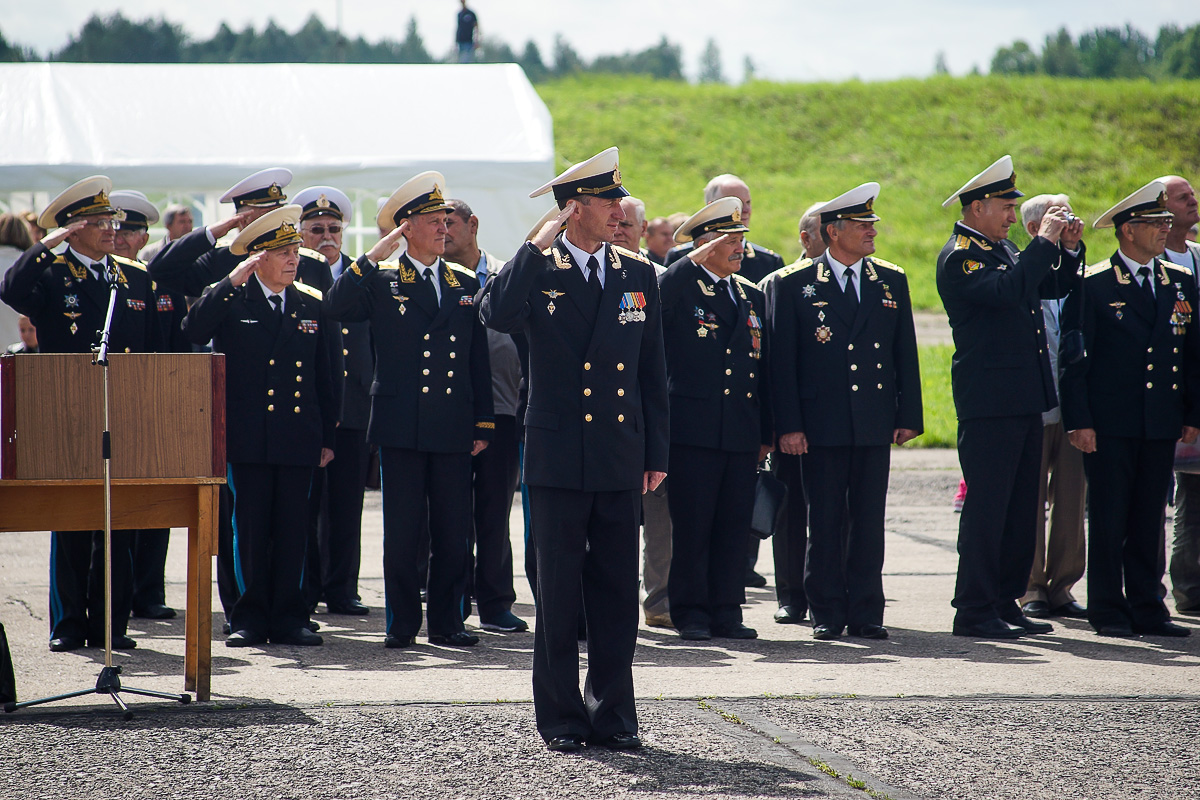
[770,499]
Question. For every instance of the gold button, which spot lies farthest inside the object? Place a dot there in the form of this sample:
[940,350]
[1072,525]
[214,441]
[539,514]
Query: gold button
[1149,349]
[345,352]
[726,391]
[424,372]
[1176,350]
[749,394]
[587,392]
[271,362]
[270,407]
[452,338]
[1149,367]
[296,409]
[345,374]
[854,387]
[299,378]
[426,354]
[587,365]
[345,331]
[620,417]
[299,364]
[620,367]
[1174,385]
[879,366]
[1149,385]
[850,347]
[297,394]
[879,386]
[587,417]
[728,372]
[728,352]
[751,374]
[126,349]
[877,345]
[1174,369]
[427,337]
[620,392]
[854,367]
[452,355]
[448,390]
[425,389]
[450,374]
[270,392]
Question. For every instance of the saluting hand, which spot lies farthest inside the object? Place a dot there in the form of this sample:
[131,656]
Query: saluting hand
[59,235]
[239,220]
[701,254]
[244,270]
[545,236]
[388,244]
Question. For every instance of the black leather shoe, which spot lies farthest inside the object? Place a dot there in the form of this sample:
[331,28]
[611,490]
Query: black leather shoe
[349,608]
[156,611]
[399,642]
[738,631]
[65,644]
[1029,625]
[245,639]
[1163,628]
[121,642]
[300,637]
[1189,611]
[1038,609]
[989,629]
[621,741]
[565,744]
[789,615]
[826,633]
[754,580]
[312,626]
[460,639]
[226,629]
[1071,609]
[695,633]
[869,631]
[1119,630]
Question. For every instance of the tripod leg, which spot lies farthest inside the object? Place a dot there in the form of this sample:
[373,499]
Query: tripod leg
[11,707]
[179,698]
[126,714]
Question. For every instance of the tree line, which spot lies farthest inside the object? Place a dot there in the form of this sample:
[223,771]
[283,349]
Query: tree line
[1107,53]
[115,38]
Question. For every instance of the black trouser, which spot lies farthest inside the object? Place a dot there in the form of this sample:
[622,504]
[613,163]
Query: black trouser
[790,542]
[335,527]
[843,578]
[227,583]
[711,502]
[1001,459]
[418,485]
[489,573]
[530,552]
[588,538]
[1128,482]
[149,568]
[77,584]
[270,510]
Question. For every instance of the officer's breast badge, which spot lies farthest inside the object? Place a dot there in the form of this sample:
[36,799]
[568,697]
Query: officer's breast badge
[824,334]
[971,266]
[632,305]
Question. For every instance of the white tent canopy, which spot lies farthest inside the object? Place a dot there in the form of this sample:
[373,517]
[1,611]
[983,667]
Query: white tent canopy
[193,130]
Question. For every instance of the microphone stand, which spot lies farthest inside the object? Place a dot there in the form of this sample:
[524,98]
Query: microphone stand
[109,681]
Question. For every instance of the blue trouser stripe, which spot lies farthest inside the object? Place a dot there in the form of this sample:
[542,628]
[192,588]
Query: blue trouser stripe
[237,557]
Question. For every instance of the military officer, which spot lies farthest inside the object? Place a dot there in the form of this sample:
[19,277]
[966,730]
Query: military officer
[1134,393]
[335,542]
[431,405]
[596,435]
[150,546]
[66,296]
[1001,382]
[846,387]
[714,336]
[281,411]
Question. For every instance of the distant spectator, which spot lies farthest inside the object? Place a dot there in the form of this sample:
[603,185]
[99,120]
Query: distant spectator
[28,343]
[467,34]
[15,239]
[659,239]
[1193,232]
[178,221]
[631,229]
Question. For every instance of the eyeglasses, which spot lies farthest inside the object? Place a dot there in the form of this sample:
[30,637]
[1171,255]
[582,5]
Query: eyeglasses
[104,224]
[319,230]
[129,233]
[1158,222]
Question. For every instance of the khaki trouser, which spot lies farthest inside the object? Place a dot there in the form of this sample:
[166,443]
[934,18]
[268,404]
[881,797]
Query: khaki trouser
[1059,558]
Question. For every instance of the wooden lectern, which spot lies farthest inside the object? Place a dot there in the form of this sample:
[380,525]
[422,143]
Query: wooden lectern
[167,419]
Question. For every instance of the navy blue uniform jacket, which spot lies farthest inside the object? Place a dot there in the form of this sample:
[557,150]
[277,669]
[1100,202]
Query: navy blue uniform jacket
[1141,376]
[433,384]
[1001,367]
[841,380]
[597,415]
[279,397]
[715,379]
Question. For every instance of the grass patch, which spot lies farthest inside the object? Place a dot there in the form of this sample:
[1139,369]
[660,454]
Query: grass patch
[941,423]
[796,144]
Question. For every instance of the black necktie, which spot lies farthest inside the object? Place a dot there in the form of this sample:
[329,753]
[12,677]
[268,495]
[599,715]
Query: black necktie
[427,290]
[594,280]
[277,305]
[851,294]
[1147,286]
[724,300]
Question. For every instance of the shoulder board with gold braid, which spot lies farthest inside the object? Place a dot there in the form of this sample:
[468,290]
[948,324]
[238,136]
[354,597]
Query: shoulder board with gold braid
[803,263]
[962,242]
[745,281]
[459,268]
[308,290]
[125,262]
[623,252]
[1172,265]
[879,262]
[1097,268]
[308,252]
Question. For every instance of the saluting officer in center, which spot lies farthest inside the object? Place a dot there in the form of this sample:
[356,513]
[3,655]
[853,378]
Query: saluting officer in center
[1001,380]
[280,411]
[847,386]
[431,405]
[596,437]
[713,333]
[1135,393]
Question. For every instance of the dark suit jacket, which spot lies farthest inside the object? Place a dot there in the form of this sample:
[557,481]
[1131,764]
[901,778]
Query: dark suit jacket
[68,305]
[191,263]
[597,415]
[841,379]
[1141,375]
[358,369]
[716,380]
[1001,366]
[279,398]
[433,387]
[757,262]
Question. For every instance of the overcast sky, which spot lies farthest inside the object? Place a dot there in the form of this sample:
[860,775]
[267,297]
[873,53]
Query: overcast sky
[786,39]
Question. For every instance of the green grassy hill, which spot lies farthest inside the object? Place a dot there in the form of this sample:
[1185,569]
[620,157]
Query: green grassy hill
[921,139]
